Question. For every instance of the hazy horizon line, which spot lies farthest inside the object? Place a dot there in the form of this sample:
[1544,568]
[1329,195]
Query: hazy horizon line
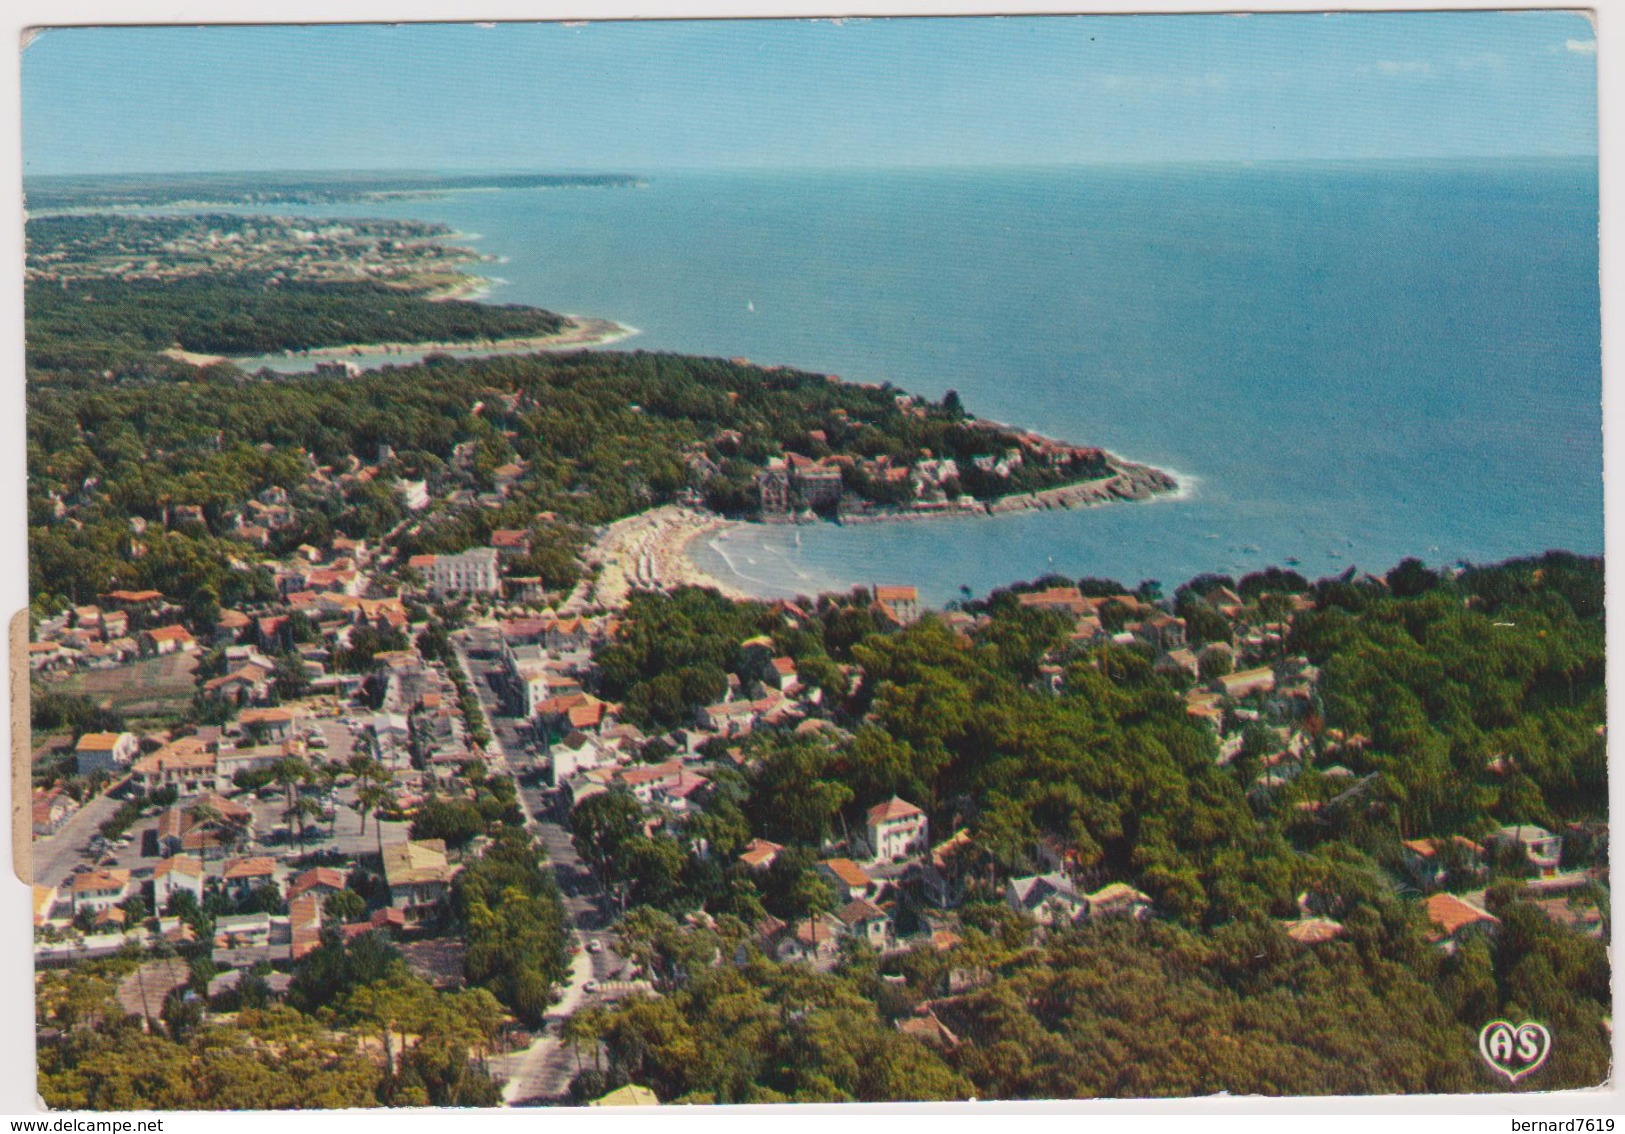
[510,171]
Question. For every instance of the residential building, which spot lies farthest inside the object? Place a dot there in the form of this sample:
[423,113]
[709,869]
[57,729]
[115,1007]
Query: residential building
[1245,682]
[849,879]
[246,684]
[727,718]
[174,874]
[166,640]
[187,764]
[414,493]
[814,941]
[321,881]
[240,877]
[98,890]
[781,674]
[759,854]
[51,808]
[928,1029]
[900,603]
[104,752]
[244,931]
[304,924]
[1067,600]
[1452,916]
[1429,860]
[511,541]
[1309,930]
[1118,899]
[475,571]
[1543,849]
[773,487]
[418,874]
[1049,899]
[862,919]
[577,752]
[897,829]
[273,724]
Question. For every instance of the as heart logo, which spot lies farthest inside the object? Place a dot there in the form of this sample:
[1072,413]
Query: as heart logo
[1514,1050]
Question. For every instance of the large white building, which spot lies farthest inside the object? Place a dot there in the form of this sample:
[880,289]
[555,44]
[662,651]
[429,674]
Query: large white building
[469,572]
[897,829]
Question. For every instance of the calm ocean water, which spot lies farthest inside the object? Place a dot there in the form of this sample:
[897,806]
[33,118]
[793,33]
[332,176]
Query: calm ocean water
[1351,364]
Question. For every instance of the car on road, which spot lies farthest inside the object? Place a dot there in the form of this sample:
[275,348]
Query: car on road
[590,987]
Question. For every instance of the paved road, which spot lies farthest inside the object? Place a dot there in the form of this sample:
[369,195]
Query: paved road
[542,1071]
[56,855]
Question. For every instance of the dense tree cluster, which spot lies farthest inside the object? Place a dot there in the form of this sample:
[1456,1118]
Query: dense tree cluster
[255,315]
[1436,672]
[358,1030]
[508,910]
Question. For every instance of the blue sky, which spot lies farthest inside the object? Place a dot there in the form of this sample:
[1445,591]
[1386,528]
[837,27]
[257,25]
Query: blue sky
[643,97]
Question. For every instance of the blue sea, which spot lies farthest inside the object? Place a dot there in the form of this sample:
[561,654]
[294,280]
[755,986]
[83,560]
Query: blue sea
[1346,364]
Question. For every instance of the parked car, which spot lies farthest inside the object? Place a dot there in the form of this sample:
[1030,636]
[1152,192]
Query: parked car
[596,945]
[590,987]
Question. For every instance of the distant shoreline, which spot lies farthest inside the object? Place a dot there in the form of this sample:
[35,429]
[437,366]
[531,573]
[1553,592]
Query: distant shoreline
[578,333]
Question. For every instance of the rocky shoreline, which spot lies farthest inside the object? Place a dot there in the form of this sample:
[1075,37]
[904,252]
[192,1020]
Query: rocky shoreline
[1130,482]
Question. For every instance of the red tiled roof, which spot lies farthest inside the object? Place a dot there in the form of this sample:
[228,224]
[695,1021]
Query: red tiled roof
[849,872]
[859,910]
[250,868]
[320,876]
[98,741]
[894,808]
[759,851]
[135,596]
[179,864]
[1313,930]
[1449,913]
[95,881]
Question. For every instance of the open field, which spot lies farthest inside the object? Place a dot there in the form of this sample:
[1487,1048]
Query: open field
[150,687]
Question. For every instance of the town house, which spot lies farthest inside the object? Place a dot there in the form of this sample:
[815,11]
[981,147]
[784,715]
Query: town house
[240,877]
[104,752]
[173,874]
[1048,899]
[187,764]
[897,829]
[98,890]
[167,640]
[418,874]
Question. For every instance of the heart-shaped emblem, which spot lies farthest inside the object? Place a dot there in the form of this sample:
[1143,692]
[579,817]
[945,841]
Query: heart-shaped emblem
[1514,1050]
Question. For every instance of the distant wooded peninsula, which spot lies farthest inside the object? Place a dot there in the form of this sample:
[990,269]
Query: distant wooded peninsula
[307,188]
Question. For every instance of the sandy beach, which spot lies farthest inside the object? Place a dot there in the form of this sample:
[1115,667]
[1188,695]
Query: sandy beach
[649,551]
